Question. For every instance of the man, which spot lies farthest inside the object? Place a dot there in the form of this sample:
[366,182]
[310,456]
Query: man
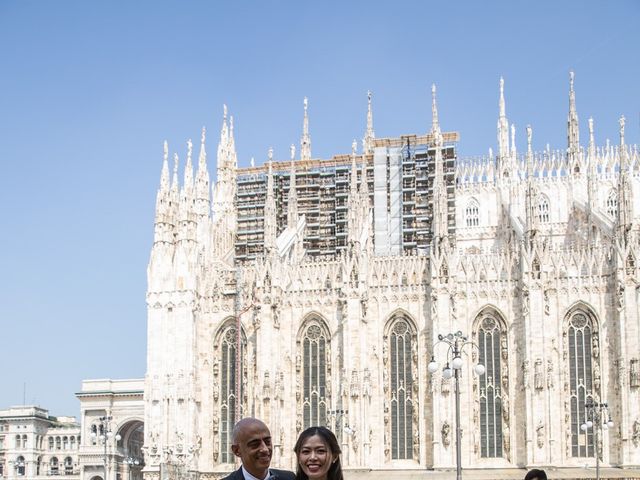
[536,474]
[251,442]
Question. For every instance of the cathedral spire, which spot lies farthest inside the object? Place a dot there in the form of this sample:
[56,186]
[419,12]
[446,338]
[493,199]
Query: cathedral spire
[174,182]
[591,176]
[202,179]
[161,198]
[353,213]
[305,141]
[369,136]
[625,192]
[270,227]
[435,123]
[573,134]
[530,195]
[292,206]
[440,209]
[188,169]
[503,125]
[164,176]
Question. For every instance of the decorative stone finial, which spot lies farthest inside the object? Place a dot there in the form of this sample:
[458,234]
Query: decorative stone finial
[622,122]
[252,162]
[224,110]
[189,149]
[435,124]
[166,151]
[529,135]
[203,136]
[270,154]
[354,146]
[591,130]
[292,152]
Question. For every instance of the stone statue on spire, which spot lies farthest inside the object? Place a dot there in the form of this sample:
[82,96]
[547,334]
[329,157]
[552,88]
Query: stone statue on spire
[503,125]
[369,135]
[573,131]
[305,141]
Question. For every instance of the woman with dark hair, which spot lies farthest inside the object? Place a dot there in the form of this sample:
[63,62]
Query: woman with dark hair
[318,455]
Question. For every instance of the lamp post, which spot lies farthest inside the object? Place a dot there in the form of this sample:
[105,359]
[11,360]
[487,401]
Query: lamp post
[456,343]
[103,431]
[598,418]
[131,461]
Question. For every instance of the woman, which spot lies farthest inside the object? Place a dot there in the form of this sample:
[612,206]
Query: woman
[318,455]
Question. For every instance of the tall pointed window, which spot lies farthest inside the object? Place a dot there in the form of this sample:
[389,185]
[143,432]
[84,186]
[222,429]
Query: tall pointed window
[230,372]
[542,210]
[472,213]
[400,377]
[315,350]
[490,392]
[580,341]
[612,204]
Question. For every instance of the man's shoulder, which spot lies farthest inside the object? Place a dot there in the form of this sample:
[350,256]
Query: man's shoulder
[235,475]
[282,474]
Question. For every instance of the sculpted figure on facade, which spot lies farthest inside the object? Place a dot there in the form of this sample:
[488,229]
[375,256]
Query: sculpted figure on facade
[635,433]
[538,375]
[445,432]
[540,434]
[634,373]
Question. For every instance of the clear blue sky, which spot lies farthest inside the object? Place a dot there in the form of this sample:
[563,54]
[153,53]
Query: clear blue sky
[89,90]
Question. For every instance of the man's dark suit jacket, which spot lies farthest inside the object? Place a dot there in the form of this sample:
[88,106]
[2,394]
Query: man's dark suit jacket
[275,475]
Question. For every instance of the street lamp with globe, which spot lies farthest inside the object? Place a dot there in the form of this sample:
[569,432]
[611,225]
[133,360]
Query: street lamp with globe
[456,343]
[103,432]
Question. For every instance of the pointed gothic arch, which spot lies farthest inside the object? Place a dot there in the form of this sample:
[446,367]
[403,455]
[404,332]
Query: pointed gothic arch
[313,364]
[492,416]
[400,359]
[611,203]
[542,209]
[472,213]
[582,375]
[227,370]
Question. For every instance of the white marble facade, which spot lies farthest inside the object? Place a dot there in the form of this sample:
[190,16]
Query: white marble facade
[542,273]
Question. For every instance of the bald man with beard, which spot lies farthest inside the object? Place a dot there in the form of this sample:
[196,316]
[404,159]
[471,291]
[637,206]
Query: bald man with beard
[251,442]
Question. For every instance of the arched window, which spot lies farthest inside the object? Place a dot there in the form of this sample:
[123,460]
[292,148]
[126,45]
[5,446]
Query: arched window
[228,345]
[54,468]
[580,341]
[543,209]
[400,375]
[490,339]
[50,443]
[315,351]
[68,466]
[58,443]
[65,443]
[24,441]
[18,441]
[611,205]
[21,466]
[472,213]
[72,443]
[38,465]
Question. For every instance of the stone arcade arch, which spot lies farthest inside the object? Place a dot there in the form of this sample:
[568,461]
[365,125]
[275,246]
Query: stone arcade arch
[400,377]
[131,449]
[225,378]
[313,361]
[581,346]
[491,406]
